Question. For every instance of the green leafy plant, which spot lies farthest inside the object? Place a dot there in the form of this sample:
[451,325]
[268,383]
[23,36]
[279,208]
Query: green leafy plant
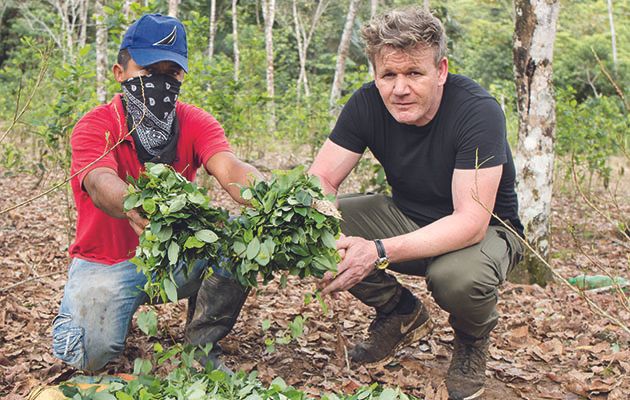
[184,227]
[291,226]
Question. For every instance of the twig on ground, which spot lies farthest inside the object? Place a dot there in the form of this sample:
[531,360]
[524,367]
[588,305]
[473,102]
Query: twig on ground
[32,278]
[593,306]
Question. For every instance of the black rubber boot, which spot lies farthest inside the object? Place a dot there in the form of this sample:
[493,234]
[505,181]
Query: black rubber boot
[218,303]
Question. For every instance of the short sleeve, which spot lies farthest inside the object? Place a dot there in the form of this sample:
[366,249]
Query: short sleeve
[348,131]
[92,138]
[481,136]
[209,136]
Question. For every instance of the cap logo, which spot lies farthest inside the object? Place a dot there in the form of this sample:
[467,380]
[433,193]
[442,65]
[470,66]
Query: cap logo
[168,40]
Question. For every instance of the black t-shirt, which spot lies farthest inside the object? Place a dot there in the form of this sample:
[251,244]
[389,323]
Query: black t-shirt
[468,130]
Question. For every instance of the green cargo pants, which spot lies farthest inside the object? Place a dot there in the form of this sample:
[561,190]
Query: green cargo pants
[464,282]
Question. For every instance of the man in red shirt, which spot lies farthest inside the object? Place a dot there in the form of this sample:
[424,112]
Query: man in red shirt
[145,123]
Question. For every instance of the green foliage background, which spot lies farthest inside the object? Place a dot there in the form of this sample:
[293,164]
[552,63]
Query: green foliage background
[592,121]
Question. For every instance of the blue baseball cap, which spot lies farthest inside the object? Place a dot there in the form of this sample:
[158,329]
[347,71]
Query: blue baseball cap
[154,38]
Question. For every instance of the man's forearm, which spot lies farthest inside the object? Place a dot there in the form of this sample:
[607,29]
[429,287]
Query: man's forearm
[107,191]
[447,234]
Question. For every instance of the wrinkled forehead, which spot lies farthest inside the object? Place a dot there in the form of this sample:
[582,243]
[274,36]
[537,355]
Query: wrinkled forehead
[418,54]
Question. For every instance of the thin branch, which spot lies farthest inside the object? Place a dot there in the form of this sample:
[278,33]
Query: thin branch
[40,77]
[602,67]
[590,204]
[625,300]
[32,278]
[579,292]
[52,189]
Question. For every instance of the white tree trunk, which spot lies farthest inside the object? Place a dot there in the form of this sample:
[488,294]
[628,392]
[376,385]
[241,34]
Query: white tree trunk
[303,41]
[172,8]
[373,9]
[101,51]
[269,10]
[613,36]
[84,6]
[126,9]
[213,28]
[342,54]
[237,54]
[534,36]
[427,5]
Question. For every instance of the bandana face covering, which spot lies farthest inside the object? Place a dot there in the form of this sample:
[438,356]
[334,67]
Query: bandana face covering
[150,105]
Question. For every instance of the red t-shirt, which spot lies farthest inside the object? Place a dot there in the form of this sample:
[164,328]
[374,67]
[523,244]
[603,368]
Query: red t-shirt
[99,237]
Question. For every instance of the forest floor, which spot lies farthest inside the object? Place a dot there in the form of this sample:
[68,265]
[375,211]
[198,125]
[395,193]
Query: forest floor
[549,344]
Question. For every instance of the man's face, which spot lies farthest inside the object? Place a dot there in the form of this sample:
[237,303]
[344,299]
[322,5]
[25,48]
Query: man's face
[133,70]
[410,83]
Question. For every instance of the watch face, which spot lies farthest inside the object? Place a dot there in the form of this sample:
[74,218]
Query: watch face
[382,263]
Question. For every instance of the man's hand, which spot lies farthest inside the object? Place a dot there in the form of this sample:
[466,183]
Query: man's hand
[358,256]
[137,222]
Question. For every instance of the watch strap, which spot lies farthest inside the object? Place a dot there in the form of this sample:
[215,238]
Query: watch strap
[380,249]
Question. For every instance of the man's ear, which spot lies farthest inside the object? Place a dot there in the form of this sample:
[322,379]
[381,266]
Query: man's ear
[442,70]
[119,72]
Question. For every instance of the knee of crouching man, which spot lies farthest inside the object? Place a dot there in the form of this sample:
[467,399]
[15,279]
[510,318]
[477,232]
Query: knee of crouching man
[68,341]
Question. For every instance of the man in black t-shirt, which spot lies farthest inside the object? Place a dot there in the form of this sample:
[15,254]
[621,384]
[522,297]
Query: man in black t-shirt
[441,140]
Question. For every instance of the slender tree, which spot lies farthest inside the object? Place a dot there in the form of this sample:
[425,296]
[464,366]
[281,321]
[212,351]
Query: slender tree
[534,36]
[373,8]
[303,41]
[213,28]
[237,54]
[269,10]
[84,6]
[613,36]
[342,54]
[101,51]
[173,8]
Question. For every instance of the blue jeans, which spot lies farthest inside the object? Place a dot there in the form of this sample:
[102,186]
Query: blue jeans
[97,307]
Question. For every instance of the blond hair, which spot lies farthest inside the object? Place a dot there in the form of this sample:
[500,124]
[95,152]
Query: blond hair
[404,29]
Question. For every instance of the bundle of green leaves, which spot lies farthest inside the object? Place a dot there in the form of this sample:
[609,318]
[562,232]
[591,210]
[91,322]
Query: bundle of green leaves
[184,227]
[291,226]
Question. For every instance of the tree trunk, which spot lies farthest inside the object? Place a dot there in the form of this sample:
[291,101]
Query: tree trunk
[269,9]
[213,28]
[534,36]
[172,8]
[126,9]
[101,51]
[303,41]
[342,54]
[83,21]
[427,5]
[237,54]
[373,8]
[613,36]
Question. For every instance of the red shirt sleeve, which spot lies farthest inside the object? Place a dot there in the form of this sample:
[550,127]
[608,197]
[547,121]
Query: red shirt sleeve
[91,138]
[208,135]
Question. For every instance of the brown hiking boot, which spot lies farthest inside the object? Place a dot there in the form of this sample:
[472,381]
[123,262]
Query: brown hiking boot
[466,375]
[389,332]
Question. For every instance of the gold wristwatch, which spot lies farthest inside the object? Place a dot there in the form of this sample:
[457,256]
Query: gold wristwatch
[382,261]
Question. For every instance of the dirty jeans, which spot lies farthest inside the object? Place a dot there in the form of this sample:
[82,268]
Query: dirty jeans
[97,307]
[463,282]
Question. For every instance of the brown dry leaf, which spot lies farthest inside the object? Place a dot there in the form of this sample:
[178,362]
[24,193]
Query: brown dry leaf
[618,394]
[327,208]
[442,392]
[518,336]
[350,385]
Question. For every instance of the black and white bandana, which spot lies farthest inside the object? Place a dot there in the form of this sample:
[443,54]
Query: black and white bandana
[150,104]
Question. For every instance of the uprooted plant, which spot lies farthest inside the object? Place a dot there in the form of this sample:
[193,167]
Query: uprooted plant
[290,227]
